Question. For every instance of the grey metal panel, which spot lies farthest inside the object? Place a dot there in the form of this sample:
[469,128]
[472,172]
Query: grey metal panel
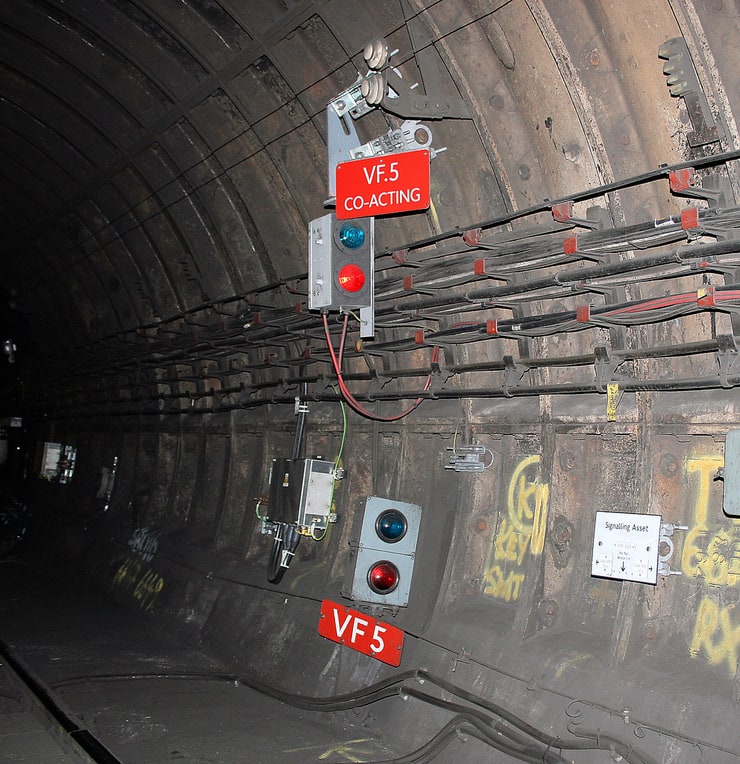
[731,474]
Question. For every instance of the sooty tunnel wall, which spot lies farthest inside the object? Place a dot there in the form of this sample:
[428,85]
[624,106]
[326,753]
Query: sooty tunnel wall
[545,348]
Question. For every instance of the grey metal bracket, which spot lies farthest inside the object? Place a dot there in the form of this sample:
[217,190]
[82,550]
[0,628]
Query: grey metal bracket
[714,189]
[377,383]
[404,101]
[341,138]
[683,83]
[728,358]
[410,136]
[513,373]
[597,218]
[469,458]
[606,365]
[438,376]
[666,548]
[351,101]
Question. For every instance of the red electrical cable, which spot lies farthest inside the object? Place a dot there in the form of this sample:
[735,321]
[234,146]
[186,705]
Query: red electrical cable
[671,301]
[336,360]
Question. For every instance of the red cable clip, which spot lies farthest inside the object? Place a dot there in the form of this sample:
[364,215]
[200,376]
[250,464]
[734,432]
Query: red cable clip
[681,180]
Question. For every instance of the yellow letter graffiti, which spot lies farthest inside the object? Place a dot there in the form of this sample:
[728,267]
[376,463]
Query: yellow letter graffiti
[711,554]
[522,529]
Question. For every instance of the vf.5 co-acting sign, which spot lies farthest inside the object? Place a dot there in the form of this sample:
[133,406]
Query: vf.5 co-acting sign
[383,185]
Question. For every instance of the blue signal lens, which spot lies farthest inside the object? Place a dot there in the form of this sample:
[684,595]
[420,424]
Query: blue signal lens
[351,235]
[391,526]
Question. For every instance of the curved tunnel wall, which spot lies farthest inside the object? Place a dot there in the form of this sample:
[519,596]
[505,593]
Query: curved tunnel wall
[160,169]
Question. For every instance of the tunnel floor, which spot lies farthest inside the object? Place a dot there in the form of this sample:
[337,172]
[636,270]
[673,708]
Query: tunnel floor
[146,696]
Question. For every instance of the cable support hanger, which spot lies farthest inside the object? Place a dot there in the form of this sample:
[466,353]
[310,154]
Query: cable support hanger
[259,328]
[281,391]
[546,205]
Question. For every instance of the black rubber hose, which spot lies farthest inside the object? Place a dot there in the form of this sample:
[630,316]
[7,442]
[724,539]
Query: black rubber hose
[83,737]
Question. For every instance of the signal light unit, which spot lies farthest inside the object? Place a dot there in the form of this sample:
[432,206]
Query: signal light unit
[385,552]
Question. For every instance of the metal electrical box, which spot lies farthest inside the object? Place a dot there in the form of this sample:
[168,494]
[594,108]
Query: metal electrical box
[731,474]
[388,537]
[301,491]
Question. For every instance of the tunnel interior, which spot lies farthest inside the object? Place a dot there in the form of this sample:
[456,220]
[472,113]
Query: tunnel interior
[380,360]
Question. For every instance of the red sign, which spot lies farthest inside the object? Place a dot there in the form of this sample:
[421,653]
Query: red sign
[361,632]
[383,185]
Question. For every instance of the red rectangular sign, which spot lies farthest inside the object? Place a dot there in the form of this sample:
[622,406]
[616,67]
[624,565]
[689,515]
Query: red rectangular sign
[361,632]
[383,185]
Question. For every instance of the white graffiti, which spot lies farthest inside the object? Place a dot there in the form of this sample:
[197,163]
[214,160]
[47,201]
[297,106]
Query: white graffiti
[145,542]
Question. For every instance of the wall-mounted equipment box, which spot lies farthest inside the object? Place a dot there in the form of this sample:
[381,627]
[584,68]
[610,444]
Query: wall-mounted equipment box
[384,556]
[731,474]
[626,547]
[301,492]
[48,463]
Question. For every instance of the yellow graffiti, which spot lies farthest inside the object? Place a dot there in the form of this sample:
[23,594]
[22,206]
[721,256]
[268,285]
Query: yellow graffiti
[716,634]
[711,554]
[510,545]
[503,586]
[349,750]
[522,529]
[143,586]
[694,548]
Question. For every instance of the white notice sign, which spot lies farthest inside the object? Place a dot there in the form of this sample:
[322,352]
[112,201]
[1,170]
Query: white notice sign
[626,546]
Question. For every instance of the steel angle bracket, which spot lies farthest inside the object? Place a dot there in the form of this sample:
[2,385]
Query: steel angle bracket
[341,139]
[562,212]
[439,377]
[351,101]
[728,359]
[513,374]
[714,189]
[410,288]
[605,366]
[481,269]
[377,383]
[683,83]
[284,389]
[608,292]
[401,257]
[410,136]
[401,100]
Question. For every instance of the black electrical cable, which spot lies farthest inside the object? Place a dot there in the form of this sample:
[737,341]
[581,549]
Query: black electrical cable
[194,676]
[385,688]
[518,744]
[83,737]
[282,552]
[603,742]
[274,569]
[592,193]
[515,745]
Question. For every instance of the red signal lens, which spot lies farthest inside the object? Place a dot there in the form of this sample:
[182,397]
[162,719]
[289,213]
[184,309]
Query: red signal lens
[383,577]
[351,277]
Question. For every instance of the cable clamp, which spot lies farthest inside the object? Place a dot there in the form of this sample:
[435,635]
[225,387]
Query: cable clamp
[439,376]
[377,383]
[513,373]
[606,365]
[285,558]
[728,357]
